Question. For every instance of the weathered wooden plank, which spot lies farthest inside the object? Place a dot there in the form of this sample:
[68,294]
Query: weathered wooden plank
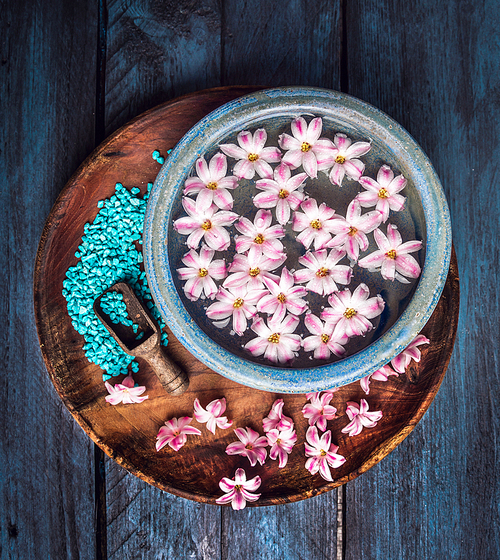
[47,100]
[434,67]
[157,51]
[273,43]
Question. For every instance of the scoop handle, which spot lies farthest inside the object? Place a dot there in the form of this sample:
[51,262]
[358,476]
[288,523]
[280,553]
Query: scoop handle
[173,379]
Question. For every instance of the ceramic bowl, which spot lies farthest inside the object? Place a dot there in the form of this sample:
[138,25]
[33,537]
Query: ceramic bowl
[424,217]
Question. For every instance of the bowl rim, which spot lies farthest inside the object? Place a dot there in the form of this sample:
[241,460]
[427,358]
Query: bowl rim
[300,100]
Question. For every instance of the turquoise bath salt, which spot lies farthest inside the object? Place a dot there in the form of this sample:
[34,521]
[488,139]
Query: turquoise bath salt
[109,252]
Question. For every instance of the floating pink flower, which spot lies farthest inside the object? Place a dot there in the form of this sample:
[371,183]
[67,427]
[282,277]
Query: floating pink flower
[205,222]
[253,156]
[381,374]
[251,270]
[345,159]
[125,392]
[306,148]
[275,340]
[392,259]
[174,433]
[212,414]
[212,185]
[315,224]
[281,443]
[360,417]
[350,312]
[284,296]
[350,233]
[239,491]
[321,341]
[251,445]
[276,420]
[284,192]
[259,236]
[319,410]
[238,303]
[322,453]
[402,361]
[201,272]
[322,271]
[383,193]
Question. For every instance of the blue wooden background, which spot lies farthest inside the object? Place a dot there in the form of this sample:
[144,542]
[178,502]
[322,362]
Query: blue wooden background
[70,74]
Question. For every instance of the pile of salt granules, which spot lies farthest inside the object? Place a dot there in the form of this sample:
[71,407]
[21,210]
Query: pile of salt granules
[109,253]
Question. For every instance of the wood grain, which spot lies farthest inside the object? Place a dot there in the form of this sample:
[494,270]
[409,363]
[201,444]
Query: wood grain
[46,461]
[435,68]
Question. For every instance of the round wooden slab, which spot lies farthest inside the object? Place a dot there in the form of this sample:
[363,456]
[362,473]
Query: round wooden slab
[127,433]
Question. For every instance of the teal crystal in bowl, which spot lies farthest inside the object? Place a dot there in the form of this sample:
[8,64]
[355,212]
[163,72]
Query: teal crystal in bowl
[424,217]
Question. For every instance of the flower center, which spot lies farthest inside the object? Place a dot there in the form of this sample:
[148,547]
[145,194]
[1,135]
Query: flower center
[391,254]
[238,302]
[248,446]
[352,231]
[238,487]
[322,453]
[202,272]
[305,147]
[316,224]
[259,239]
[349,313]
[253,157]
[283,193]
[324,338]
[212,186]
[274,338]
[322,272]
[254,271]
[382,193]
[206,225]
[281,297]
[340,159]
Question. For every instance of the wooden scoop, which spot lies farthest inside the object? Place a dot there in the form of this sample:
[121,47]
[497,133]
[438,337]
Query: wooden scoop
[145,342]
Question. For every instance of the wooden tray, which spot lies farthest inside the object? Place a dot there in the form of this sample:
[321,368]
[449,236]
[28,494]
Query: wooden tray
[127,433]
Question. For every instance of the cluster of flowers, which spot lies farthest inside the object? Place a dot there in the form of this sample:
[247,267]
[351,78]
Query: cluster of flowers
[280,434]
[250,285]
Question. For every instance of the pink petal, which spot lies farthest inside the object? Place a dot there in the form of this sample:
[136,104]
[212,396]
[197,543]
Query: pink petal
[218,166]
[202,170]
[233,151]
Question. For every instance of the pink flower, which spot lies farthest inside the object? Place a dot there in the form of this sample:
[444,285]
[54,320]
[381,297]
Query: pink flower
[322,341]
[392,259]
[360,417]
[281,443]
[212,415]
[238,302]
[284,296]
[251,445]
[318,411]
[239,491]
[260,236]
[205,222]
[275,340]
[284,192]
[322,271]
[350,312]
[402,361]
[315,224]
[345,159]
[175,432]
[322,453]
[382,193]
[212,184]
[201,272]
[125,392]
[306,148]
[351,231]
[381,374]
[251,270]
[252,154]
[276,420]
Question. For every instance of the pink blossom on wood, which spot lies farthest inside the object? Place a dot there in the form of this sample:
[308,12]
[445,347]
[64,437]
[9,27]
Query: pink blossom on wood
[174,433]
[411,352]
[251,445]
[276,419]
[360,417]
[239,491]
[125,392]
[281,443]
[212,414]
[322,453]
[319,410]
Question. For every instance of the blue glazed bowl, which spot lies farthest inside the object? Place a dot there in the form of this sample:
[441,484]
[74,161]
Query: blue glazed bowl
[425,217]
